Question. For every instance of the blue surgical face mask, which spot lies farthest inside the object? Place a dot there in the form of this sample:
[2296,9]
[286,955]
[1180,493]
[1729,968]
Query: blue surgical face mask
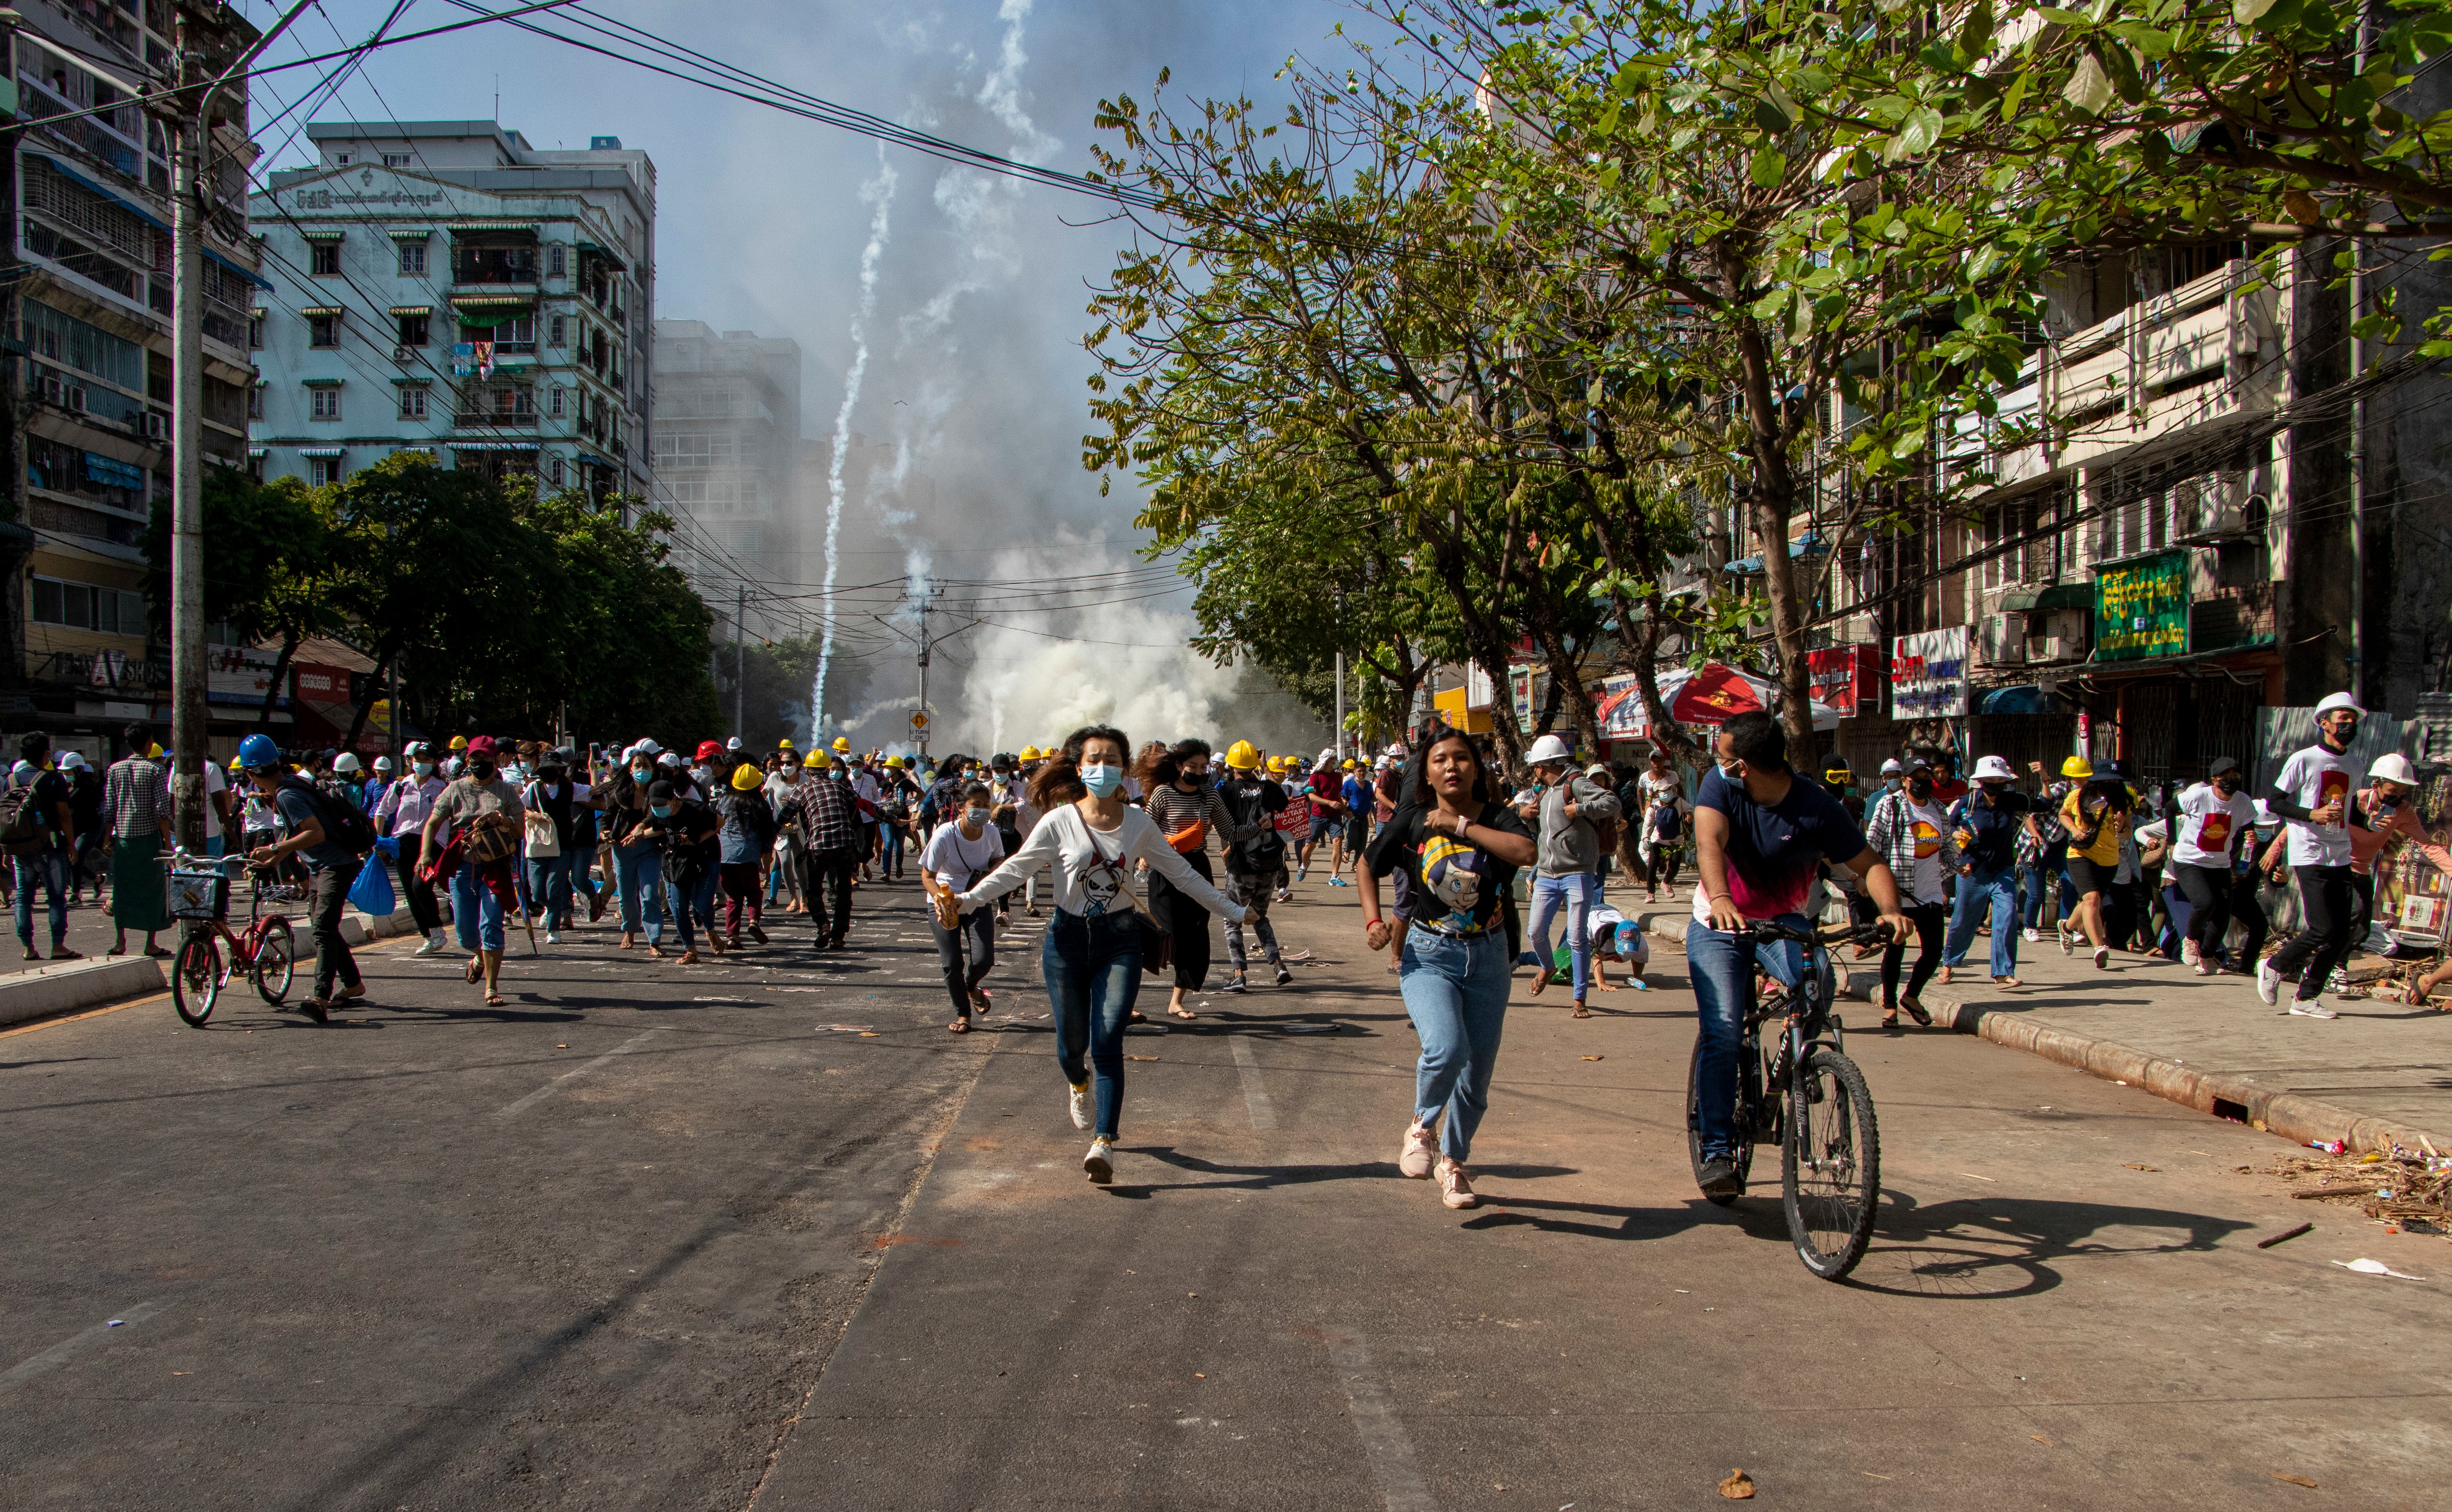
[661,810]
[426,769]
[643,774]
[1102,780]
[976,817]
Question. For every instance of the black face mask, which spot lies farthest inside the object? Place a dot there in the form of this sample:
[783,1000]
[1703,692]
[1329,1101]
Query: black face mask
[2226,784]
[1920,787]
[481,768]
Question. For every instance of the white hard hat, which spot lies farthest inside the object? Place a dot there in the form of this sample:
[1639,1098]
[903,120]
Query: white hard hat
[1994,766]
[347,762]
[73,761]
[734,744]
[1548,749]
[1396,749]
[383,764]
[2394,767]
[2334,701]
[1891,766]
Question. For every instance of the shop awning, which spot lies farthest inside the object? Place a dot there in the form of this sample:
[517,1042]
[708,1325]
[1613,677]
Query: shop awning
[318,452]
[2056,596]
[318,234]
[412,310]
[420,234]
[610,256]
[323,310]
[2024,698]
[494,446]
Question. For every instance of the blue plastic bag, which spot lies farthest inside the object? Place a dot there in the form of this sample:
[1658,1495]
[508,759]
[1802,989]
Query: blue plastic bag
[371,893]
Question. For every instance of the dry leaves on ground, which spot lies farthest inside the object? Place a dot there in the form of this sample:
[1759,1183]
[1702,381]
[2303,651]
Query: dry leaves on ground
[1738,1487]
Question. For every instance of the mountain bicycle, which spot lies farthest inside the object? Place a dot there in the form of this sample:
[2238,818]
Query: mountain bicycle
[1810,1101]
[267,949]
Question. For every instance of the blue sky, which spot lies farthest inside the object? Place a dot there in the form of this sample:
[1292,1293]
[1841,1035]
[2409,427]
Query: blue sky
[981,285]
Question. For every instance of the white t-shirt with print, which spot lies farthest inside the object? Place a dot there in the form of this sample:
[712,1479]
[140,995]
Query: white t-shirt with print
[1926,820]
[2210,824]
[2311,778]
[958,862]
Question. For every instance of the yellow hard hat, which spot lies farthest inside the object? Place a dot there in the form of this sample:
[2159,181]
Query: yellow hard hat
[233,761]
[459,742]
[1241,756]
[895,761]
[2077,766]
[746,777]
[1030,753]
[1349,763]
[785,744]
[842,742]
[818,758]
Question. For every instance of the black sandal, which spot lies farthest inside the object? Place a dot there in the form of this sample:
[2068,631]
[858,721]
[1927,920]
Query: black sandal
[1915,1011]
[958,1027]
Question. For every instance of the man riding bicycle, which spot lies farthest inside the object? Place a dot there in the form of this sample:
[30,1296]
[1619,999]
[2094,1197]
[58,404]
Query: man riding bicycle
[1760,838]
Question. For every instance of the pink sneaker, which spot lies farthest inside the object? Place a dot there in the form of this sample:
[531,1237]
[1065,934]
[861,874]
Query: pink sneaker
[1420,1152]
[1455,1185]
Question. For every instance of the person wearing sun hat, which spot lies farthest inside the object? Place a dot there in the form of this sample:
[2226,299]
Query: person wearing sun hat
[1987,825]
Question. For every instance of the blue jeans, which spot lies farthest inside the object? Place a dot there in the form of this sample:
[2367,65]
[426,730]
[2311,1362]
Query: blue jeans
[1722,977]
[48,870]
[694,900]
[476,913]
[640,871]
[2044,882]
[1455,992]
[1577,893]
[891,860]
[2001,887]
[549,884]
[1093,968]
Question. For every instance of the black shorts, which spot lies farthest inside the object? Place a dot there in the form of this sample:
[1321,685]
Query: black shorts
[1354,835]
[2091,876]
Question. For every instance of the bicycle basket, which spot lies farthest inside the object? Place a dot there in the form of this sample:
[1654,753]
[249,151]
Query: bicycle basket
[198,895]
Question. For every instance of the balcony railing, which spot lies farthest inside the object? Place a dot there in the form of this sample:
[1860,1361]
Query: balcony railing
[492,420]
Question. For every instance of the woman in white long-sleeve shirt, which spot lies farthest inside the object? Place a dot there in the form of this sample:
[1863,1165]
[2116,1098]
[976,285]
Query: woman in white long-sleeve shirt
[1092,955]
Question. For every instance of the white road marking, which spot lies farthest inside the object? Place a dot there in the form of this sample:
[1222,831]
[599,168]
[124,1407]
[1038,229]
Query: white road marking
[1373,1407]
[1256,1097]
[58,1355]
[550,1088]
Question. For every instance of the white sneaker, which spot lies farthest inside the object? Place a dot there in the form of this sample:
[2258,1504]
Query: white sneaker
[2268,983]
[1100,1164]
[553,936]
[2189,954]
[2033,936]
[2102,958]
[2069,945]
[1081,1105]
[434,946]
[1455,1186]
[1419,1152]
[2341,987]
[2311,1008]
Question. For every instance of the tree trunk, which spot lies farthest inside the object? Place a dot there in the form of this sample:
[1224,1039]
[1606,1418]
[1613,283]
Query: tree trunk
[289,640]
[1548,718]
[1770,504]
[365,705]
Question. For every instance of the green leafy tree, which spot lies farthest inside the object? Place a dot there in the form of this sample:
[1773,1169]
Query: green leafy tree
[273,568]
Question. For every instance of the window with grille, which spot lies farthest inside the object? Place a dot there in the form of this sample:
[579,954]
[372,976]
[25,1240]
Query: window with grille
[397,160]
[560,395]
[322,331]
[557,331]
[327,258]
[322,471]
[415,330]
[324,403]
[255,332]
[412,404]
[557,265]
[412,259]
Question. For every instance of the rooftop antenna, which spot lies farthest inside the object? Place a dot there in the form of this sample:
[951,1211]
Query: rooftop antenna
[498,98]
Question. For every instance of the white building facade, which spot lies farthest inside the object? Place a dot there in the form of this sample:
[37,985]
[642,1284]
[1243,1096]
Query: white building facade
[466,294]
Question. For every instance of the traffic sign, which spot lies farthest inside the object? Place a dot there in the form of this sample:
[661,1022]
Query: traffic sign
[919,721]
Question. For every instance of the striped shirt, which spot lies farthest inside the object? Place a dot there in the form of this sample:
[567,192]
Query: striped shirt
[1177,810]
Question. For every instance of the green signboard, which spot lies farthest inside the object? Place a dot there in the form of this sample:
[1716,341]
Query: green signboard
[2140,607]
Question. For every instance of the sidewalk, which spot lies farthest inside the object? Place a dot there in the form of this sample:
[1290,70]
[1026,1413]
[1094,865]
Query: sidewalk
[2378,1075]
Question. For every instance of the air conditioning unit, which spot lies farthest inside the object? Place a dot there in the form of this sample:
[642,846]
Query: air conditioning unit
[403,353]
[2004,639]
[2213,508]
[155,426]
[51,389]
[76,399]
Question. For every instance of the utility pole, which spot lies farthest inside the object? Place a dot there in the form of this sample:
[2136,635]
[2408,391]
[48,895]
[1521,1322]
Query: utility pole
[739,687]
[925,602]
[1340,705]
[187,122]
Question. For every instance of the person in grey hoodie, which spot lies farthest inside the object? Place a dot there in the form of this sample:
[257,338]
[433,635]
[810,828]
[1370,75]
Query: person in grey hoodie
[1571,808]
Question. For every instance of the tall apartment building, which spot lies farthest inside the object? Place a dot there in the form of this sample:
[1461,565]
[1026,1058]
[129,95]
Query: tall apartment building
[728,444]
[446,286]
[86,302]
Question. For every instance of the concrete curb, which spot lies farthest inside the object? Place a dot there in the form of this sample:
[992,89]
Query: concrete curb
[73,984]
[2301,1120]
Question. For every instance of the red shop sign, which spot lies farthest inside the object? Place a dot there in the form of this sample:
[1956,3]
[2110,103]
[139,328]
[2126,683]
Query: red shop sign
[1845,678]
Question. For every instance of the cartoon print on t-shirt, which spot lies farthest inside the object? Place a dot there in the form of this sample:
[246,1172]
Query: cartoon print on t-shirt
[1927,841]
[2213,832]
[1453,873]
[2332,786]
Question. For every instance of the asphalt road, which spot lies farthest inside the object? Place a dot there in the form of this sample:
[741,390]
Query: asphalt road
[684,1238]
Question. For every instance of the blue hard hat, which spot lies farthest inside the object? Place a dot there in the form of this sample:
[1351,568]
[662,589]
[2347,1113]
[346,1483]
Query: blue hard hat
[258,750]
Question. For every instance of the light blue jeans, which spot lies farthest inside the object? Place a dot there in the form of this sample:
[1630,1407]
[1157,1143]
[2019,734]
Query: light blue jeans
[1455,992]
[476,913]
[2000,889]
[1576,892]
[640,870]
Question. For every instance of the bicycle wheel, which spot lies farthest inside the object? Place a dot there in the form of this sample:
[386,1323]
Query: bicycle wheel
[276,962]
[1744,1150]
[196,979]
[1831,1163]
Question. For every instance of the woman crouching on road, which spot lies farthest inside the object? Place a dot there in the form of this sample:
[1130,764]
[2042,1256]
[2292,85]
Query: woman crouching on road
[1459,849]
[1091,954]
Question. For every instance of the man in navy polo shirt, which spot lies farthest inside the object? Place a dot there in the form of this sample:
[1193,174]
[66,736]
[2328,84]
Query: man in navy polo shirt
[1761,837]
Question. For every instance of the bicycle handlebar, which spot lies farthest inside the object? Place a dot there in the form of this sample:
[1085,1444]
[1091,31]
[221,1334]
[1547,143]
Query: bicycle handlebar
[1764,931]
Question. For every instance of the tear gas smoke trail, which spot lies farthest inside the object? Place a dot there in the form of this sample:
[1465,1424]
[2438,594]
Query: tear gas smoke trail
[879,191]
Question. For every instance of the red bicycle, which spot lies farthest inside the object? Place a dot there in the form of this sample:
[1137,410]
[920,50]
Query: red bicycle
[266,950]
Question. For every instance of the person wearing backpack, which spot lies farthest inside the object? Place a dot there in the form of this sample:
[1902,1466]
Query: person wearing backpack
[38,828]
[557,847]
[1253,861]
[318,837]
